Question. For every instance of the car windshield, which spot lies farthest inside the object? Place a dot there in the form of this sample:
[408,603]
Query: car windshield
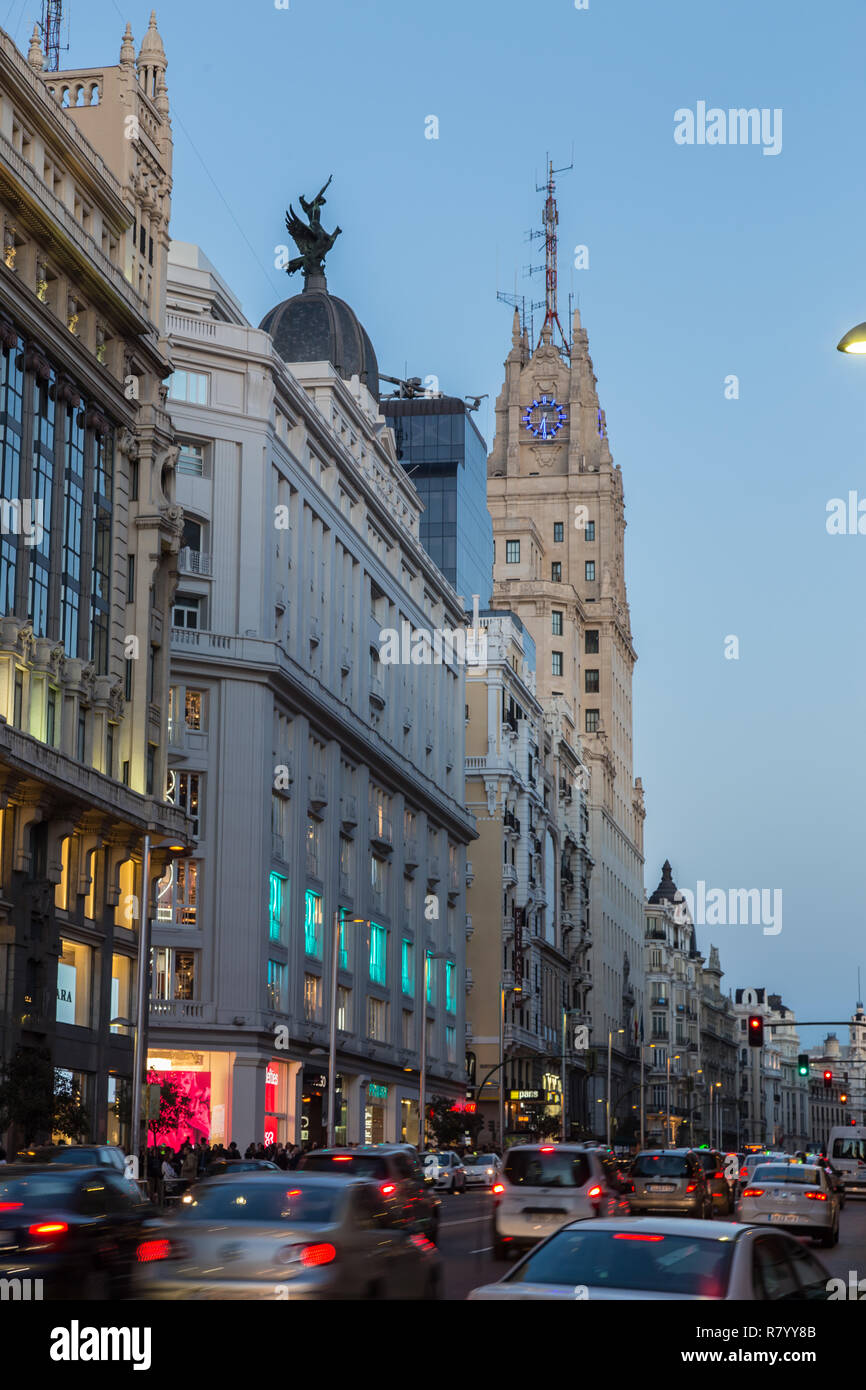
[437,1158]
[360,1165]
[558,1168]
[259,1201]
[631,1260]
[660,1166]
[478,1161]
[64,1155]
[787,1172]
[37,1190]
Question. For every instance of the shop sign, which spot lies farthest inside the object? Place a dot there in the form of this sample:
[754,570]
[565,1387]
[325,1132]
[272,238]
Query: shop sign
[527,1095]
[375,1092]
[315,1081]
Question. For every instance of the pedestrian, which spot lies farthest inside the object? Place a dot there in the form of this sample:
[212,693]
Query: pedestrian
[189,1165]
[295,1157]
[282,1158]
[234,1151]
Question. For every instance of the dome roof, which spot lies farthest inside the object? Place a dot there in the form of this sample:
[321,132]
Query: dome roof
[667,891]
[315,326]
[151,44]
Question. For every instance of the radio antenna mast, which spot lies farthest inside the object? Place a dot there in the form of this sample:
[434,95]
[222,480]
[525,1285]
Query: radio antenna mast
[52,17]
[550,220]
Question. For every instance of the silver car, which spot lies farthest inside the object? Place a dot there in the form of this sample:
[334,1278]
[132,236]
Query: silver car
[545,1185]
[482,1170]
[662,1258]
[295,1235]
[793,1195]
[670,1180]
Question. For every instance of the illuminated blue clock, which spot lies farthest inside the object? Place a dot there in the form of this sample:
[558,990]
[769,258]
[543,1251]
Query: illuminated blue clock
[545,418]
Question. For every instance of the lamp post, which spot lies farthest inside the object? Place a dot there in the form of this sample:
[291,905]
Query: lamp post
[609,1065]
[422,1090]
[332,1047]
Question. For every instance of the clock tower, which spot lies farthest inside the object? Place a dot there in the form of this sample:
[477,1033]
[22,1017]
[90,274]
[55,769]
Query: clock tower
[556,499]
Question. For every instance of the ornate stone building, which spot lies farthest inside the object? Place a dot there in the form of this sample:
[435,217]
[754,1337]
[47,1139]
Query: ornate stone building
[87,455]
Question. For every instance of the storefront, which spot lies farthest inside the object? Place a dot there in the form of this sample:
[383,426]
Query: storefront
[375,1108]
[277,1109]
[196,1093]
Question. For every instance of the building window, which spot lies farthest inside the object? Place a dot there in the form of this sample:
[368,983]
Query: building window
[451,1044]
[407,1029]
[558,529]
[589,531]
[121,991]
[276,985]
[313,924]
[187,612]
[187,796]
[343,947]
[277,906]
[378,876]
[194,710]
[512,552]
[590,642]
[313,847]
[556,572]
[556,658]
[592,721]
[377,1020]
[344,1009]
[188,386]
[590,569]
[177,893]
[450,986]
[556,623]
[408,967]
[590,682]
[74,970]
[174,973]
[312,999]
[378,954]
[431,978]
[191,460]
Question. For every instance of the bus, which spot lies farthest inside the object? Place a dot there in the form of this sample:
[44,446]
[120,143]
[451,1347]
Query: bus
[846,1150]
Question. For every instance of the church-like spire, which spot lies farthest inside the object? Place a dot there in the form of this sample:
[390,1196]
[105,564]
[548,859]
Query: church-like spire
[35,56]
[127,48]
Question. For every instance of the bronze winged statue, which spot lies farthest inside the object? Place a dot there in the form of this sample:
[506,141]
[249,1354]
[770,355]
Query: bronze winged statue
[312,241]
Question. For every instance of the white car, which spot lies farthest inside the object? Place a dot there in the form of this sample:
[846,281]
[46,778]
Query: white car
[482,1170]
[662,1258]
[793,1195]
[446,1170]
[544,1186]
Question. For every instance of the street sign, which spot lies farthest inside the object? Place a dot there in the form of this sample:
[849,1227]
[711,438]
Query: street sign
[581,1037]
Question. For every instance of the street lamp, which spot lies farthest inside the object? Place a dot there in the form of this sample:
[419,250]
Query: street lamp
[609,1062]
[332,1048]
[515,989]
[854,341]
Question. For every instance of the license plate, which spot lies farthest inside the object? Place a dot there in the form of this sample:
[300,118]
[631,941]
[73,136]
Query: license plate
[660,1187]
[785,1217]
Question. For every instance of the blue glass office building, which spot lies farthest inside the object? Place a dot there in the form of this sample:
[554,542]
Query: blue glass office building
[443,452]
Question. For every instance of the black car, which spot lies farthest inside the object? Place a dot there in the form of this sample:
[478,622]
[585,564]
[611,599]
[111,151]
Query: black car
[397,1172]
[77,1230]
[78,1155]
[220,1166]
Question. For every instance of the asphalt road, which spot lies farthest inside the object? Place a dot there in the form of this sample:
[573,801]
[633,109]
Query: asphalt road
[466,1246]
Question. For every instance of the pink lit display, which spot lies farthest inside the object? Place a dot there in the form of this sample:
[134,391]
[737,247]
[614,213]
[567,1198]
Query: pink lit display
[192,1088]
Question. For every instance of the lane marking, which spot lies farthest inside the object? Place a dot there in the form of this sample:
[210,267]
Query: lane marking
[483,1251]
[468,1221]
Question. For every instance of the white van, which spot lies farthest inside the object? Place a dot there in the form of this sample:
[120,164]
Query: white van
[846,1151]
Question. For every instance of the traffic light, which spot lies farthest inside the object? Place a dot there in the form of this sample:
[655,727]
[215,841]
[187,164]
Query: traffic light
[803,1064]
[756,1030]
[828,1080]
[843,1097]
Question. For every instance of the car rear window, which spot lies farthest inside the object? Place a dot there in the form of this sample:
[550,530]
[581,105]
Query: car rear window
[630,1260]
[81,1157]
[359,1165]
[709,1162]
[258,1201]
[787,1172]
[538,1169]
[850,1148]
[660,1166]
[37,1190]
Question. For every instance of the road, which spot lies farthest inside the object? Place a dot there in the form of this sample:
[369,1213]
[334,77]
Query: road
[466,1246]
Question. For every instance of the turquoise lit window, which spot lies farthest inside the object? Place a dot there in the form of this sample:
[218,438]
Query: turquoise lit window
[277,900]
[313,924]
[344,950]
[431,978]
[450,991]
[378,953]
[408,967]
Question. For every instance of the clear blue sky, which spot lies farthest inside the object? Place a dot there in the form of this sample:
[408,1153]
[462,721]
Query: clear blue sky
[704,261]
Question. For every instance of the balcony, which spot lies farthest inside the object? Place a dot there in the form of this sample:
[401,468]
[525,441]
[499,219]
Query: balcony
[434,872]
[278,847]
[470,874]
[345,885]
[348,811]
[411,857]
[318,790]
[171,1010]
[469,927]
[381,833]
[377,692]
[509,873]
[195,562]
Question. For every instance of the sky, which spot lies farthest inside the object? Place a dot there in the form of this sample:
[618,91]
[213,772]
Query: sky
[706,261]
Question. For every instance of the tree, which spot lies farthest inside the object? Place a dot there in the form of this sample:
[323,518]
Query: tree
[38,1100]
[449,1126]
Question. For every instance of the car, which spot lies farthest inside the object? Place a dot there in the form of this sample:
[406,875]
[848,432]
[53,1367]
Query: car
[77,1155]
[847,1154]
[543,1186]
[77,1229]
[447,1171]
[296,1235]
[401,1178]
[670,1180]
[220,1166]
[713,1164]
[482,1169]
[662,1258]
[797,1196]
[751,1162]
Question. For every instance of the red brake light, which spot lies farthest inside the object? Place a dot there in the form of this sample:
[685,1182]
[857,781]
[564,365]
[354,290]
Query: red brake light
[388,1189]
[817,1196]
[341,1158]
[594,1191]
[153,1250]
[691,1187]
[11,1206]
[753,1192]
[498,1187]
[49,1228]
[718,1175]
[548,1149]
[744,1172]
[312,1255]
[623,1235]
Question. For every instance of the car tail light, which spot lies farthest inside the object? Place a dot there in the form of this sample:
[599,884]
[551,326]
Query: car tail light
[718,1175]
[594,1191]
[313,1255]
[153,1250]
[49,1228]
[691,1187]
[623,1235]
[498,1187]
[389,1189]
[422,1243]
[753,1192]
[816,1196]
[341,1158]
[548,1149]
[744,1172]
[628,1187]
[11,1206]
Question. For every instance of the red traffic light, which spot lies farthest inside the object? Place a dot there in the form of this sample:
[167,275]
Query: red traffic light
[828,1080]
[756,1030]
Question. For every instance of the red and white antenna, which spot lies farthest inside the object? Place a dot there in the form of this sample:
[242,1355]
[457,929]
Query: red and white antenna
[549,222]
[52,16]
